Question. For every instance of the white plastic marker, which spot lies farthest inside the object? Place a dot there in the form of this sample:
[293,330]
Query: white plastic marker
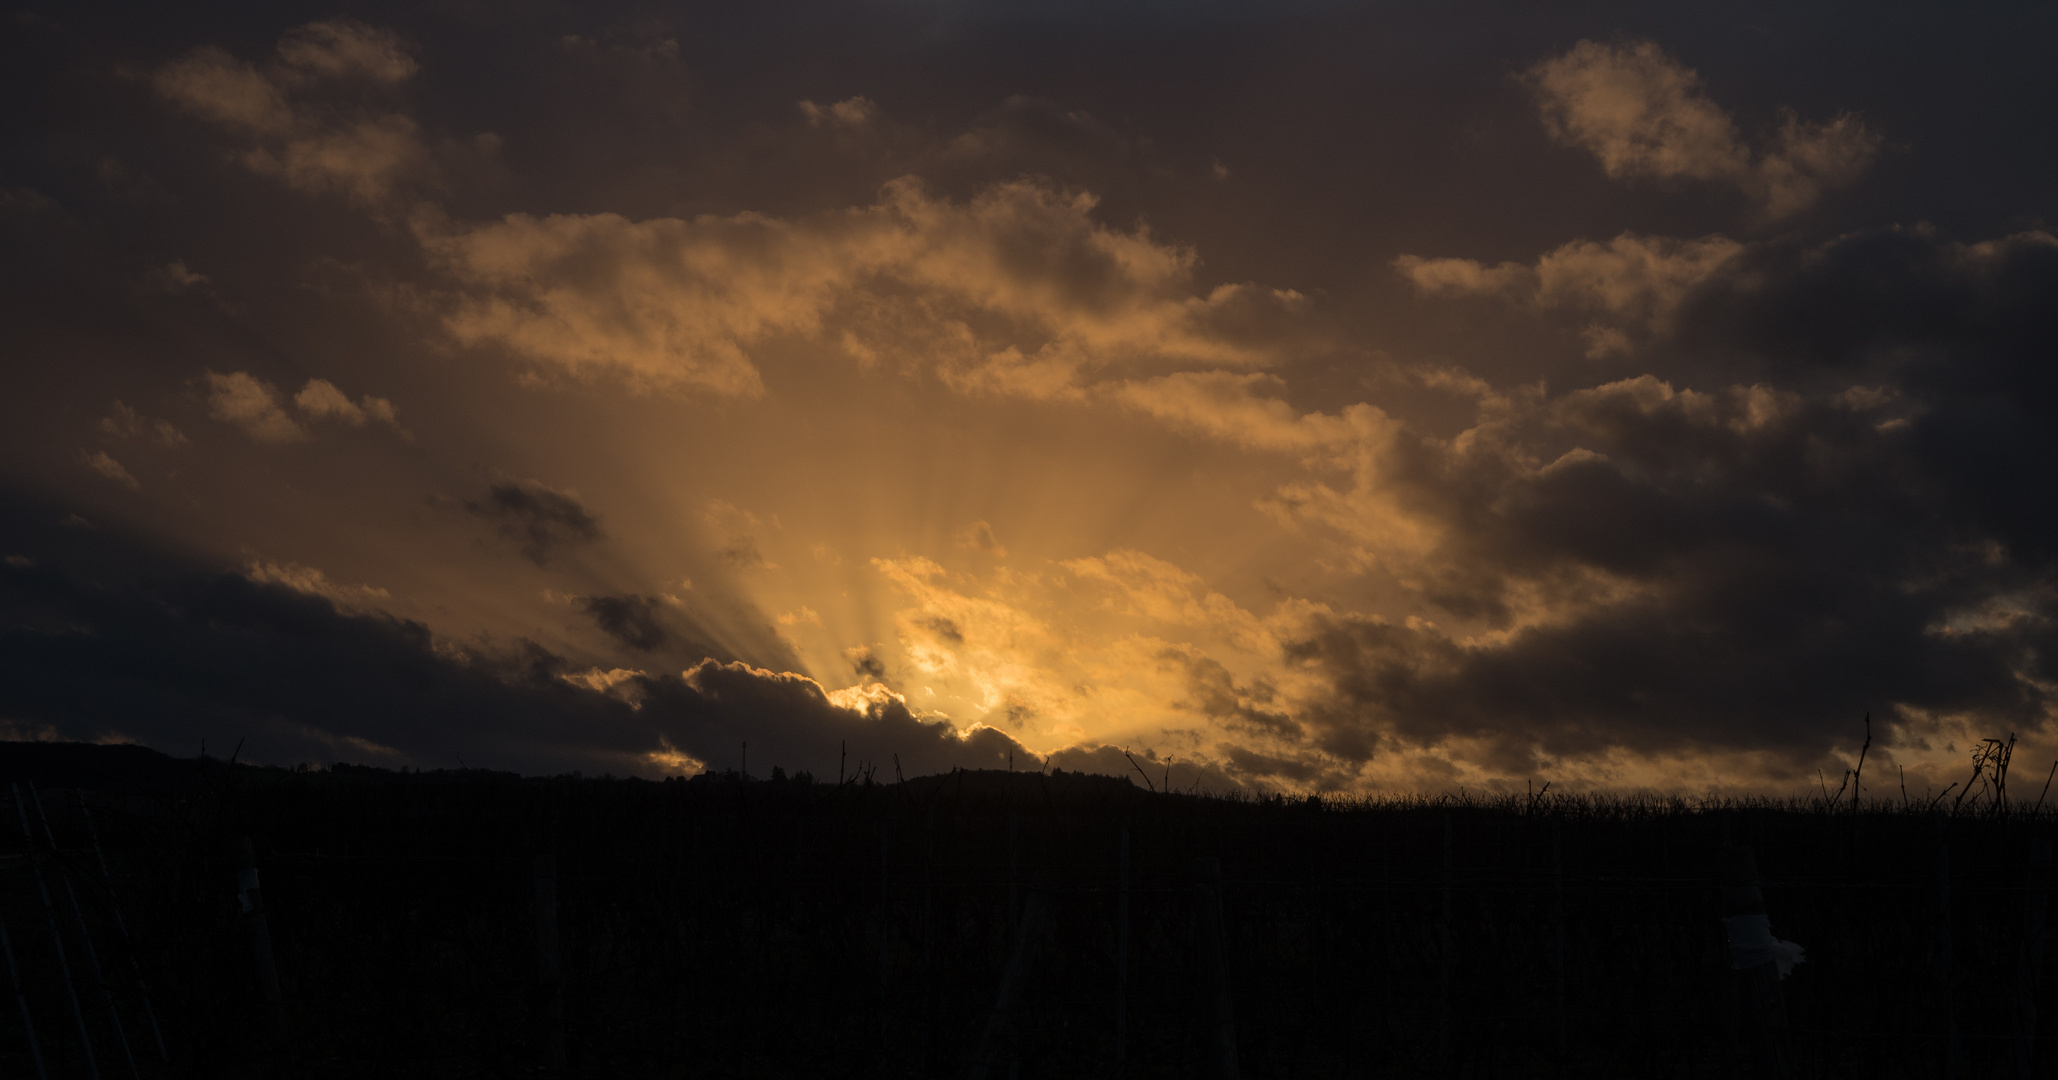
[1757,957]
[1751,943]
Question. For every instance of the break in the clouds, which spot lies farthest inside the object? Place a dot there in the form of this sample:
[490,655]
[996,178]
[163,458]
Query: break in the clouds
[1344,400]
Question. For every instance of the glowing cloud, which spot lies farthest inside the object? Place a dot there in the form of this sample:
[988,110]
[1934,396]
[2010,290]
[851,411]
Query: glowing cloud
[307,137]
[670,304]
[1631,281]
[1643,114]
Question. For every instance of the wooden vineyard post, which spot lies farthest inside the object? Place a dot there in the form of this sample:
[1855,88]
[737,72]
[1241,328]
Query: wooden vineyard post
[549,979]
[1558,925]
[21,1001]
[928,936]
[121,924]
[1122,956]
[78,916]
[1443,955]
[2030,957]
[885,924]
[78,1015]
[998,1043]
[1953,1063]
[250,898]
[1386,842]
[1754,966]
[1014,873]
[1014,906]
[1214,943]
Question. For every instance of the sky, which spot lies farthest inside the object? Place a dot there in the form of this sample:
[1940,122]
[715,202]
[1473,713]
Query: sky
[1291,397]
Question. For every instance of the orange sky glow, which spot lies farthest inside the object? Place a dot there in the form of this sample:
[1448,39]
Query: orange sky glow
[1291,412]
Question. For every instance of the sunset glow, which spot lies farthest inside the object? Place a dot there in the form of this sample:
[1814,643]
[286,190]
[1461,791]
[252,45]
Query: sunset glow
[1304,401]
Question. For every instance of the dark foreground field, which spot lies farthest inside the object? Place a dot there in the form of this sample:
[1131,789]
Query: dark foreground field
[727,928]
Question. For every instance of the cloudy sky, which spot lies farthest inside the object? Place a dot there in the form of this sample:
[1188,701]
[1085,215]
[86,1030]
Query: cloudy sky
[1305,396]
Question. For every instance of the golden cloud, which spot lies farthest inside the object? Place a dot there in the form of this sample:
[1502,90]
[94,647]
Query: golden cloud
[1631,281]
[312,581]
[1226,405]
[259,408]
[304,138]
[101,462]
[1018,291]
[1643,114]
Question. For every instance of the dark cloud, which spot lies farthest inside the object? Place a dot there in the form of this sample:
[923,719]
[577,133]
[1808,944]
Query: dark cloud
[978,536]
[744,554]
[1213,692]
[1959,337]
[1148,769]
[865,663]
[104,636]
[538,519]
[1299,771]
[714,708]
[1726,666]
[1856,526]
[629,619]
[1861,300]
